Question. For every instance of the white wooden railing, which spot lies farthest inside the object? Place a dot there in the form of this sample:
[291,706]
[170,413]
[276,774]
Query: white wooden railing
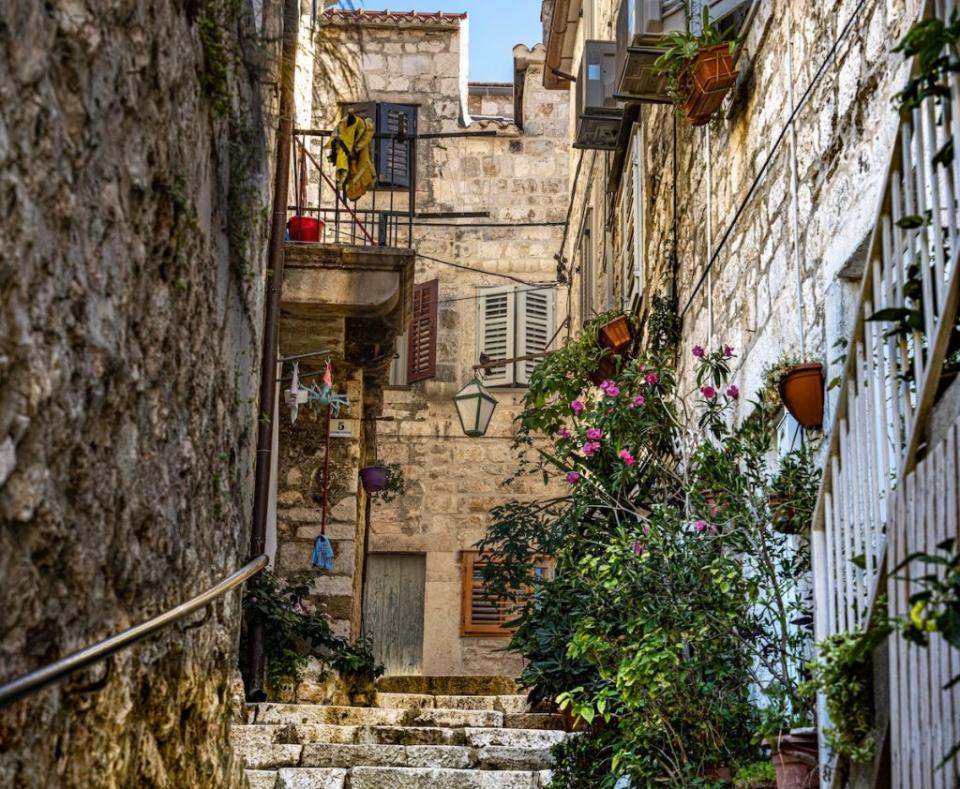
[889,383]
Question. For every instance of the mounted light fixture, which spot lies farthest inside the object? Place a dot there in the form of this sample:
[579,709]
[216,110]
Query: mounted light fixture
[475,406]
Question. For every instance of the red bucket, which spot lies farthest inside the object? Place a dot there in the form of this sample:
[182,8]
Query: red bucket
[305,228]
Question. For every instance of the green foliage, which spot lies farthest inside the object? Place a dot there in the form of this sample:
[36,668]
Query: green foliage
[757,775]
[934,43]
[396,483]
[218,56]
[682,49]
[794,489]
[582,761]
[844,674]
[292,634]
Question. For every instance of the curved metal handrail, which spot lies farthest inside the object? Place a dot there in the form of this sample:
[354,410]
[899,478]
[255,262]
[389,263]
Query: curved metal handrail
[29,683]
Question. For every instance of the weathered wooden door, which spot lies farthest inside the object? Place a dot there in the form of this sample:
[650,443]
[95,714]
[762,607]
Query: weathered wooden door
[393,610]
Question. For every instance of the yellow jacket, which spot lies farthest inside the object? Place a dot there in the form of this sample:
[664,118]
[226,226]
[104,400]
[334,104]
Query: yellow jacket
[350,148]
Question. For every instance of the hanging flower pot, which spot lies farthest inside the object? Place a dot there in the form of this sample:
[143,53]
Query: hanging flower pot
[707,80]
[606,370]
[373,478]
[795,758]
[615,335]
[801,390]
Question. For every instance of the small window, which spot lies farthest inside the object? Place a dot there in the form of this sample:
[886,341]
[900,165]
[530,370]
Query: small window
[482,615]
[513,321]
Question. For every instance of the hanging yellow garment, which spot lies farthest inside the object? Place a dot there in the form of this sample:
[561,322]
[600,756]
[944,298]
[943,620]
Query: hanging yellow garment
[350,148]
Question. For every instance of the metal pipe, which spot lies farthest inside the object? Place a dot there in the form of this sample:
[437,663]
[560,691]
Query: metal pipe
[43,677]
[271,328]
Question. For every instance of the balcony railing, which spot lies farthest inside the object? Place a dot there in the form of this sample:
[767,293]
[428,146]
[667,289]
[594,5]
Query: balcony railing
[383,216]
[889,384]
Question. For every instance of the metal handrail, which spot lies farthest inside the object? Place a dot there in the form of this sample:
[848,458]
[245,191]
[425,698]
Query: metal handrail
[36,680]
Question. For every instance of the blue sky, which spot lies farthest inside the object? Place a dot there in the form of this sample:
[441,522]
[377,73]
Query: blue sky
[495,26]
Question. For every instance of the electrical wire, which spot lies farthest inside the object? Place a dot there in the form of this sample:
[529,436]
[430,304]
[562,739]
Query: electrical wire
[566,221]
[831,57]
[476,270]
[543,286]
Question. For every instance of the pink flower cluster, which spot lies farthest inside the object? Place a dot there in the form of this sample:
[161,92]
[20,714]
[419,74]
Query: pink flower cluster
[577,407]
[590,448]
[564,433]
[708,392]
[639,548]
[626,457]
[573,477]
[733,392]
[652,379]
[638,402]
[698,351]
[594,433]
[610,388]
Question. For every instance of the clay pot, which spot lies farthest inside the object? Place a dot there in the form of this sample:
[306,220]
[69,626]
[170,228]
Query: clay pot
[724,774]
[795,757]
[615,335]
[801,390]
[373,478]
[708,80]
[606,370]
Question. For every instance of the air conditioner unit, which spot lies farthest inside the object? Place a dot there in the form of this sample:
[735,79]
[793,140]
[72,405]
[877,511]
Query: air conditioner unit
[598,113]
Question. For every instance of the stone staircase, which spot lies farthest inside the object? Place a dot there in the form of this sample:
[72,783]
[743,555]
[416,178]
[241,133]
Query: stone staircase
[409,740]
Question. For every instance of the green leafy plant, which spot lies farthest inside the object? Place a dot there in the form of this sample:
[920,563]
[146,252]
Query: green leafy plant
[292,634]
[682,49]
[935,44]
[843,672]
[793,490]
[756,775]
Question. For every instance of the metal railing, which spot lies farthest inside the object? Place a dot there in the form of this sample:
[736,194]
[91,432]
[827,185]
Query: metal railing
[22,686]
[893,368]
[383,216]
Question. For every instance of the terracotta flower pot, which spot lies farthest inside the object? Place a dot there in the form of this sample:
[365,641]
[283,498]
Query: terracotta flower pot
[801,390]
[795,757]
[606,369]
[708,80]
[615,335]
[373,478]
[723,774]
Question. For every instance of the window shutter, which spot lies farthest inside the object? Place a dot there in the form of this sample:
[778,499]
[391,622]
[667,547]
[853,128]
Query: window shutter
[481,615]
[393,157]
[422,337]
[535,314]
[495,332]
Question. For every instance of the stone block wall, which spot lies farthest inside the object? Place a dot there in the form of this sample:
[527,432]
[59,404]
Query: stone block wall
[133,175]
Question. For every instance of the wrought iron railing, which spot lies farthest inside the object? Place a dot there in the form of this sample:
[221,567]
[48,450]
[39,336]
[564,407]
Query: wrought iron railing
[893,367]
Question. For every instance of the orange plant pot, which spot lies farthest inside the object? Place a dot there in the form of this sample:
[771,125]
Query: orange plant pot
[708,79]
[606,370]
[801,390]
[795,758]
[615,335]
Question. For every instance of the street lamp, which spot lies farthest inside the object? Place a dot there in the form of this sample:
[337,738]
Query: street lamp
[475,407]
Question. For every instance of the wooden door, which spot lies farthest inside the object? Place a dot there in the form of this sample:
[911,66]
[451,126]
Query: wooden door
[393,610]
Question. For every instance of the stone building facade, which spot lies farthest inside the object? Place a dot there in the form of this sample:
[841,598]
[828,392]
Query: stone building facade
[134,172]
[490,198]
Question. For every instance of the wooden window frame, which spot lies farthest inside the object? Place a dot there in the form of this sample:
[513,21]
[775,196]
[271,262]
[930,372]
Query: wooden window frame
[468,629]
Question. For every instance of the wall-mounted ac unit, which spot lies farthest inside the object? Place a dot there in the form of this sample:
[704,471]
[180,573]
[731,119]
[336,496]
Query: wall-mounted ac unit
[598,112]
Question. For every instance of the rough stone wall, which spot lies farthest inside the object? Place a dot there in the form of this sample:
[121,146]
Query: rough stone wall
[132,180]
[845,132]
[520,179]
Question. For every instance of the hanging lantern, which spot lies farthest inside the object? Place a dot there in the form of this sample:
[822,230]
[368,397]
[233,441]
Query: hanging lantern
[475,407]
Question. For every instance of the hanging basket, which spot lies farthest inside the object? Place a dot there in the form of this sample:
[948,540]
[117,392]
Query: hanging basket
[708,79]
[373,478]
[615,335]
[801,391]
[795,757]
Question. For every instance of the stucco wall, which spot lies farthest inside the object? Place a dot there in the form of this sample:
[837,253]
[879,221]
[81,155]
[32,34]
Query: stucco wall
[133,182]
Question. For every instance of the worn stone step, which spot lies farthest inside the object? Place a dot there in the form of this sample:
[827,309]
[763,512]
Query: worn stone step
[533,720]
[514,703]
[262,779]
[298,714]
[310,778]
[445,756]
[436,778]
[449,686]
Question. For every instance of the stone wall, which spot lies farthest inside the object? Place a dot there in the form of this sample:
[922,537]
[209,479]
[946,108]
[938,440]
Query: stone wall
[520,178]
[133,182]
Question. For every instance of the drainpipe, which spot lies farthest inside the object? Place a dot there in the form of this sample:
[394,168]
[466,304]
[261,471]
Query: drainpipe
[271,325]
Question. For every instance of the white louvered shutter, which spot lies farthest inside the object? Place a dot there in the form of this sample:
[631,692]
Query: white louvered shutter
[535,327]
[496,311]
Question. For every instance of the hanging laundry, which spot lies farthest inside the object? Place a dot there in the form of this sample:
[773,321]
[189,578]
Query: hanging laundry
[294,397]
[350,149]
[322,553]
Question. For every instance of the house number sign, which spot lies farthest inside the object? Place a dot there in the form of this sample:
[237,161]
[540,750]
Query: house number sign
[342,428]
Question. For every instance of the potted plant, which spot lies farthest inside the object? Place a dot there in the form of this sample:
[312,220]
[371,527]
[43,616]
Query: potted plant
[793,492]
[800,386]
[615,334]
[699,69]
[385,480]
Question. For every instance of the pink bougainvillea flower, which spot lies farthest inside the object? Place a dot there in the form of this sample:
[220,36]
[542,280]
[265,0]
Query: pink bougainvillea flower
[577,407]
[700,525]
[626,457]
[652,379]
[610,389]
[638,402]
[708,392]
[564,433]
[639,548]
[728,351]
[573,477]
[733,392]
[698,351]
[594,433]
[590,448]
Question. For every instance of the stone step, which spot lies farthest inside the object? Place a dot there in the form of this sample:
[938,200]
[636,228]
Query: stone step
[396,778]
[514,703]
[449,686]
[252,736]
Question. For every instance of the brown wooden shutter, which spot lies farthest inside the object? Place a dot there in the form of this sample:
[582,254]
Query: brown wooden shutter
[481,615]
[422,337]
